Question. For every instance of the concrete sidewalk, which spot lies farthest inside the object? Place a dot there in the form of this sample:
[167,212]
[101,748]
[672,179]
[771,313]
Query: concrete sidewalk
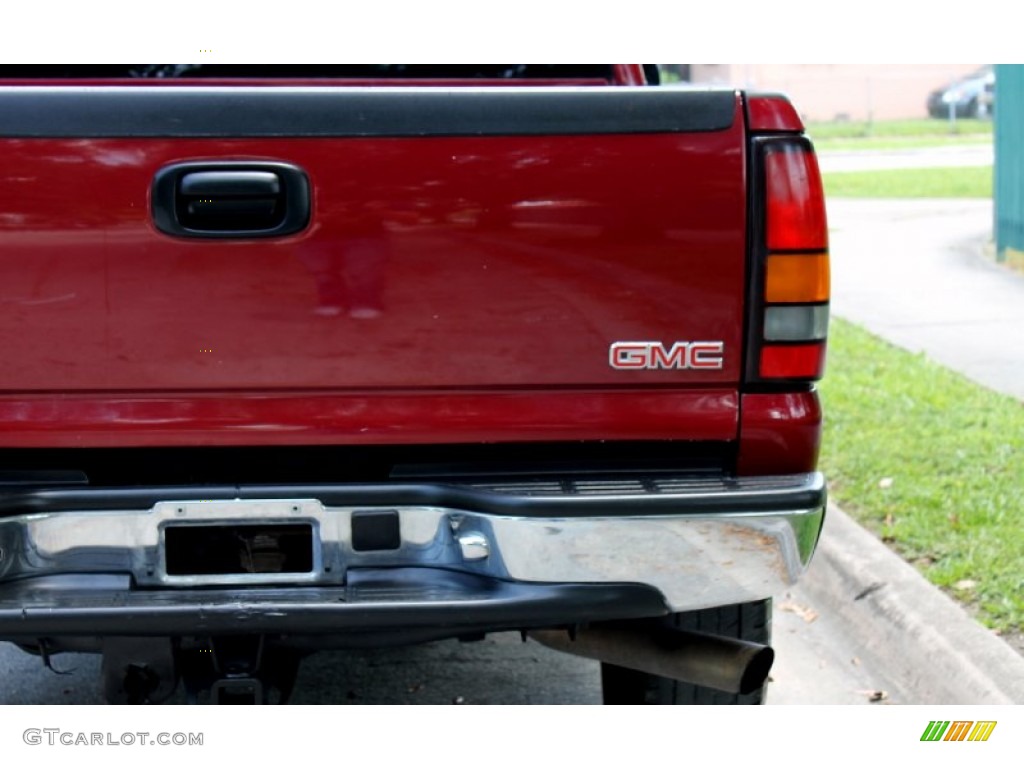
[911,640]
[912,272]
[958,156]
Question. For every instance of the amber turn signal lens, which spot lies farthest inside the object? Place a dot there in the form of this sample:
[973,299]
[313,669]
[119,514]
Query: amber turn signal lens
[798,278]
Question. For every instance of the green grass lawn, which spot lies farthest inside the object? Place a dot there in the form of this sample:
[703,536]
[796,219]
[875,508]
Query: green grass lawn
[932,463]
[911,182]
[898,134]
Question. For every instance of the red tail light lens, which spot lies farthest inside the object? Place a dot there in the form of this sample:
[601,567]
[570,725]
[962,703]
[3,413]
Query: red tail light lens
[793,286]
[795,202]
[793,361]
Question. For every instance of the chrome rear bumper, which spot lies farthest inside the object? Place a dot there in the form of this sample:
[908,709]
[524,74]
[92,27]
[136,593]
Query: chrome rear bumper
[696,542]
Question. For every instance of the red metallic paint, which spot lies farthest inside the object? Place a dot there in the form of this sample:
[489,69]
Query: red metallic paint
[779,433]
[508,262]
[628,74]
[769,113]
[434,268]
[477,283]
[366,418]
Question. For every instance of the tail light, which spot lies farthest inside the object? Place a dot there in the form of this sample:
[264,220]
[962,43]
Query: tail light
[790,290]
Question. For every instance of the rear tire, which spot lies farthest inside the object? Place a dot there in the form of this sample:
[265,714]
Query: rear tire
[746,621]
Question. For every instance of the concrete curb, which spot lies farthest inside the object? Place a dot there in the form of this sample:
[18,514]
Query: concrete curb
[929,650]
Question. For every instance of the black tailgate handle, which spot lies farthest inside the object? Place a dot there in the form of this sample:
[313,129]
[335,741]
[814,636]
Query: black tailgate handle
[231,200]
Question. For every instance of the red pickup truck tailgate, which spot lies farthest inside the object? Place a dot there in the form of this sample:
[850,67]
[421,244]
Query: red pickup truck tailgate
[456,249]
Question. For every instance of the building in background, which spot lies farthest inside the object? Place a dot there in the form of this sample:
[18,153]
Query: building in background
[826,92]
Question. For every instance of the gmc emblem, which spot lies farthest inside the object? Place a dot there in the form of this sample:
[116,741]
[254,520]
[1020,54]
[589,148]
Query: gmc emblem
[652,355]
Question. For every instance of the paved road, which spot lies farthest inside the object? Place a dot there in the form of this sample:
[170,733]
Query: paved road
[815,664]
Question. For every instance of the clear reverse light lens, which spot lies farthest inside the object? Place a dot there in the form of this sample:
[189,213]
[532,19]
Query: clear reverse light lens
[801,323]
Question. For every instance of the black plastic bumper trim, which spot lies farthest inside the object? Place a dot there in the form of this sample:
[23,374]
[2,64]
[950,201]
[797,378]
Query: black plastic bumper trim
[373,600]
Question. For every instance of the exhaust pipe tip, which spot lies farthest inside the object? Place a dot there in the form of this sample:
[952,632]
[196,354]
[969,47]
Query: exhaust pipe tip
[725,664]
[756,672]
